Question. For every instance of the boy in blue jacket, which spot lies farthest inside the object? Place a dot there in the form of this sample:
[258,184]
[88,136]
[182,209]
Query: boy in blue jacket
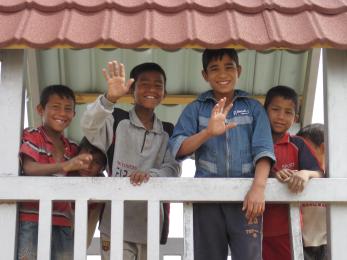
[230,135]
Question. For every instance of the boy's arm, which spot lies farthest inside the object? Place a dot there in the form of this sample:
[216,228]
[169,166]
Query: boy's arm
[33,168]
[254,202]
[216,126]
[97,120]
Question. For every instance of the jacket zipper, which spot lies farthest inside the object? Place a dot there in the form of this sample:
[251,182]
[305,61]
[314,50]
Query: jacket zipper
[144,140]
[227,153]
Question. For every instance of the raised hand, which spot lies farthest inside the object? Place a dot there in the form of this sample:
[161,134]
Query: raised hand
[217,124]
[115,77]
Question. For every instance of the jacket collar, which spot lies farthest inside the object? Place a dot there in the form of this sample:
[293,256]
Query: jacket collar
[157,125]
[284,139]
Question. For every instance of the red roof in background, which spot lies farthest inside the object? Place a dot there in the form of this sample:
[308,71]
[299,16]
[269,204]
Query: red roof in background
[253,24]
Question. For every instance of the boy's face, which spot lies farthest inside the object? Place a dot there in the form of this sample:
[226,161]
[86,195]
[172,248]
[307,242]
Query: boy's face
[149,89]
[281,113]
[222,74]
[96,166]
[58,113]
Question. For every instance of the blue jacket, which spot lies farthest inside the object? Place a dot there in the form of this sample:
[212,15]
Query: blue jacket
[235,153]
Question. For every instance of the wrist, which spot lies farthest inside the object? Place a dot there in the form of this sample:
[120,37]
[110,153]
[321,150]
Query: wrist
[111,98]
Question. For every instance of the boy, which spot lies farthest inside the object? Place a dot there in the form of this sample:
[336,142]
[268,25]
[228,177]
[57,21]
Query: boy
[136,144]
[95,169]
[45,151]
[295,165]
[224,149]
[314,214]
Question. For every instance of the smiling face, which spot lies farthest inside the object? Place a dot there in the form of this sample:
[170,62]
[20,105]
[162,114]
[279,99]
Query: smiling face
[281,113]
[57,113]
[222,75]
[149,89]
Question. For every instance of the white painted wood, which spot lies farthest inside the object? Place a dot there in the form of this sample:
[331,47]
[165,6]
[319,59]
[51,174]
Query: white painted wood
[11,114]
[310,86]
[45,231]
[80,229]
[164,189]
[117,223]
[188,238]
[33,87]
[295,230]
[335,90]
[153,230]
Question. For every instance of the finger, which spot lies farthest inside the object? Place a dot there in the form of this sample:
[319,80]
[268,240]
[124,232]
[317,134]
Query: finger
[106,76]
[116,68]
[250,211]
[227,109]
[215,109]
[129,83]
[147,176]
[121,70]
[231,125]
[221,105]
[110,69]
[244,205]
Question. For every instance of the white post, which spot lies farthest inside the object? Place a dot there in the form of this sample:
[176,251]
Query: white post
[188,253]
[295,230]
[117,223]
[153,230]
[45,230]
[335,90]
[81,218]
[11,114]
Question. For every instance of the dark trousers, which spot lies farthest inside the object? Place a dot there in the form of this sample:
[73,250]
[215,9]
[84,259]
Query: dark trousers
[218,226]
[315,252]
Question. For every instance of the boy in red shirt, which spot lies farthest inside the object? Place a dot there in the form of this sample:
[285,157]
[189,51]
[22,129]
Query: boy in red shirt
[45,151]
[295,165]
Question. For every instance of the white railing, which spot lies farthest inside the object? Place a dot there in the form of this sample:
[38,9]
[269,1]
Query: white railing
[118,190]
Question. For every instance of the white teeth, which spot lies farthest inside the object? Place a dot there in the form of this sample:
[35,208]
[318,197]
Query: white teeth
[151,97]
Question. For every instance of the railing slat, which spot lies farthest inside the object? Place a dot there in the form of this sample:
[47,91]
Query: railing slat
[81,218]
[117,223]
[153,230]
[188,231]
[45,230]
[295,229]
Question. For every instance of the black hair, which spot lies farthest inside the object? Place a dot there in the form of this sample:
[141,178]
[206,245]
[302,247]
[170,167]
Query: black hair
[86,145]
[284,92]
[60,90]
[313,132]
[213,54]
[144,67]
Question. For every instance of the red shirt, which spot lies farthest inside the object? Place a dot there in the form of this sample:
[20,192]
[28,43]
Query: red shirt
[291,152]
[37,145]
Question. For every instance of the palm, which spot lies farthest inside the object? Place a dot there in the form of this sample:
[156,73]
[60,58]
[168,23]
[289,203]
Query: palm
[115,78]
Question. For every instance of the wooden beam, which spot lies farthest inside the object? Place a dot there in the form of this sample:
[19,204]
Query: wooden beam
[85,98]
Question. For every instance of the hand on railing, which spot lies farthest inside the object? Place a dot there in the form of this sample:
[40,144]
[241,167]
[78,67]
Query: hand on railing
[137,178]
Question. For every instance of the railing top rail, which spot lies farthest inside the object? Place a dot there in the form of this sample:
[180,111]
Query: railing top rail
[163,189]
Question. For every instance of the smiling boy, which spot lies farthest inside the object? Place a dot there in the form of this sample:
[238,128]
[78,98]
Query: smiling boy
[45,151]
[229,133]
[136,144]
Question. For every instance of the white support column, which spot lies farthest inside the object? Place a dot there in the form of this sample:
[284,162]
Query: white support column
[33,88]
[117,223]
[335,89]
[11,114]
[81,218]
[310,87]
[188,231]
[153,230]
[295,230]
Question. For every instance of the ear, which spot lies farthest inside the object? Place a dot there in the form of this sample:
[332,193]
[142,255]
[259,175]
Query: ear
[204,75]
[40,110]
[296,118]
[239,70]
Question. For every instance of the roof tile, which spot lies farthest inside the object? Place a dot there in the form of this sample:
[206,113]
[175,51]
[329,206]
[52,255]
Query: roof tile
[255,24]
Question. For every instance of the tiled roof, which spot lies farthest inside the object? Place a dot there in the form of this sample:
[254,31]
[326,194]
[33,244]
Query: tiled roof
[253,24]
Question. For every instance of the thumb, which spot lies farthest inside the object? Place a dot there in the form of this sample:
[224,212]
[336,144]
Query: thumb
[231,125]
[129,83]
